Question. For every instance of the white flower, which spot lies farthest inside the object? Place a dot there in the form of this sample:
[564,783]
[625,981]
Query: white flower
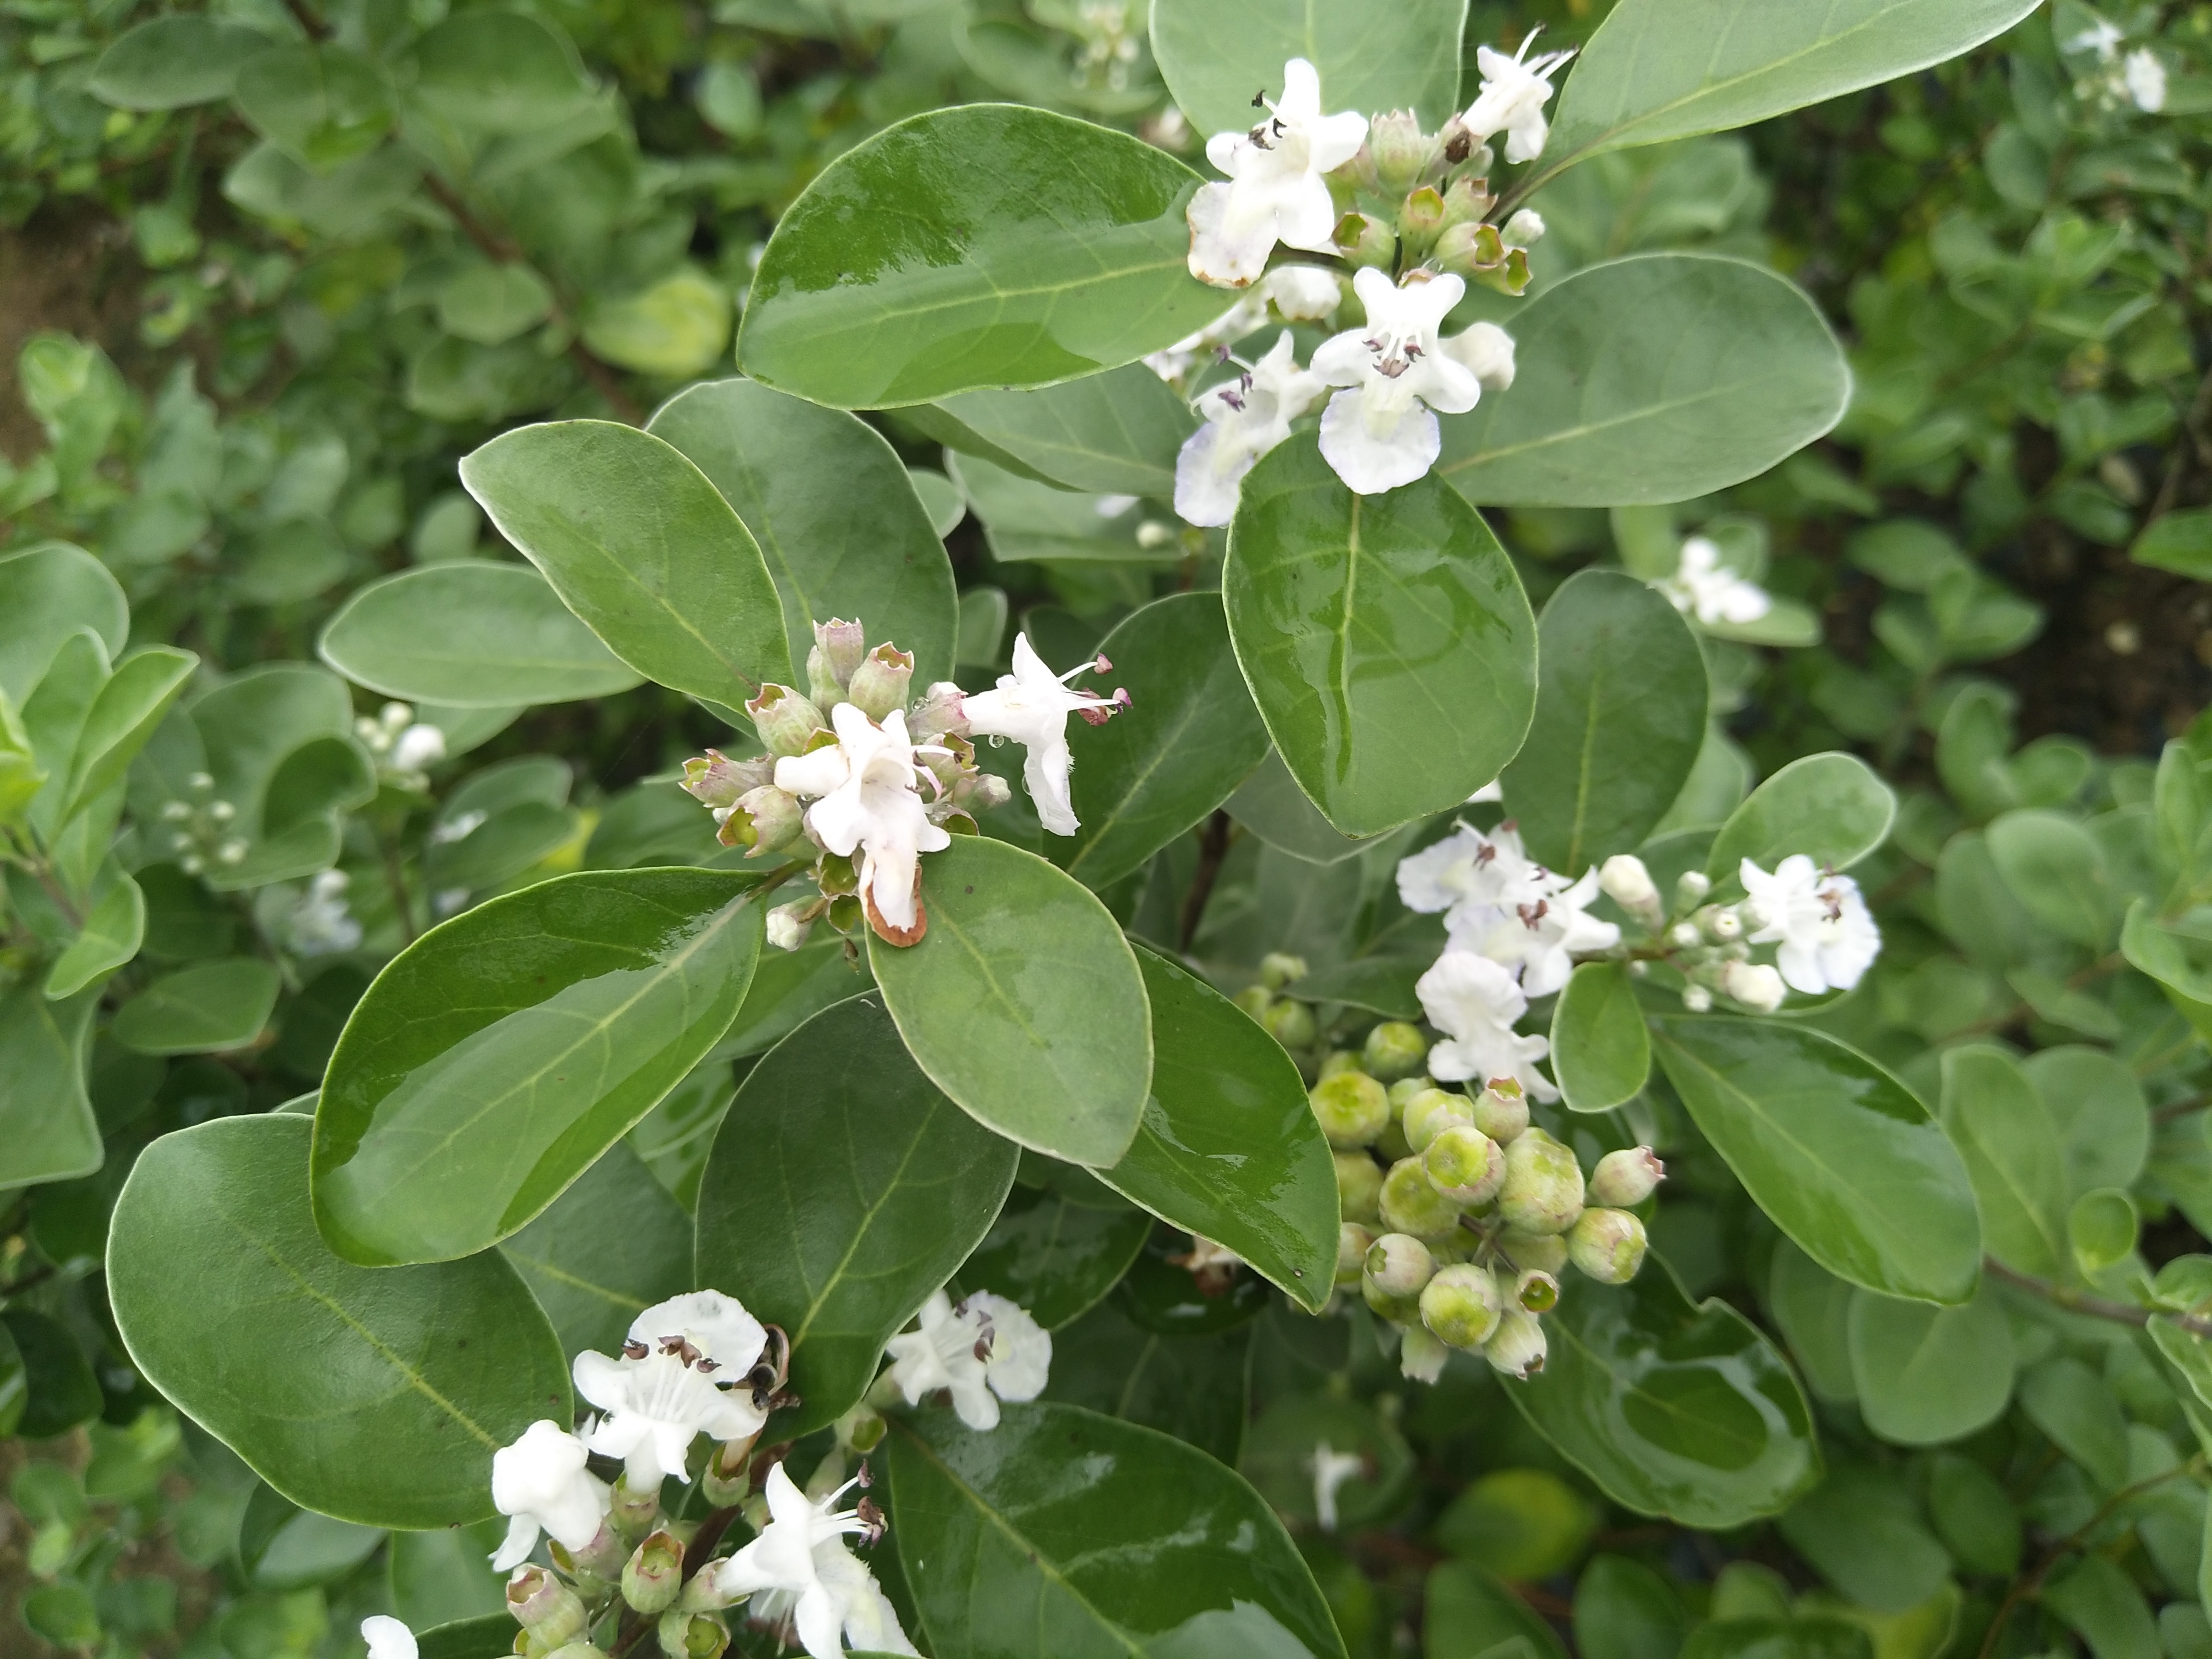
[2103,38]
[1303,294]
[804,1578]
[1703,587]
[865,798]
[1468,868]
[1486,351]
[1474,1002]
[1276,191]
[1524,229]
[319,923]
[666,1387]
[541,1483]
[1514,92]
[1244,419]
[1827,936]
[1754,985]
[417,747]
[2145,77]
[1031,706]
[1331,1469]
[984,1350]
[1538,936]
[387,1638]
[1380,432]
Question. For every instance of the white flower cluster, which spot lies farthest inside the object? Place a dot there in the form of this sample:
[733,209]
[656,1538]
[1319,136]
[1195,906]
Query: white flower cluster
[981,1349]
[404,748]
[2136,77]
[1705,588]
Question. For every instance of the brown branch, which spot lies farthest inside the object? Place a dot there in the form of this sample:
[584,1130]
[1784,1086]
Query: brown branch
[316,29]
[701,1547]
[2094,1307]
[1212,849]
[2196,1102]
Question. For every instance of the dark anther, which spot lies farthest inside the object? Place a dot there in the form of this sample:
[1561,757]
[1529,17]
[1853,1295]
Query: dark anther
[634,1349]
[708,1367]
[1533,913]
[872,1518]
[1458,147]
[1487,853]
[1260,98]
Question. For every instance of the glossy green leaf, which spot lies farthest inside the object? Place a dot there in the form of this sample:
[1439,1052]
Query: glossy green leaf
[201,1009]
[834,512]
[1600,1048]
[613,1244]
[2057,872]
[47,1131]
[113,928]
[1381,985]
[1620,716]
[639,543]
[1023,1002]
[1229,1149]
[1673,1407]
[60,1390]
[503,1051]
[983,246]
[1067,1532]
[1835,1149]
[1175,753]
[1270,803]
[2097,1106]
[1278,1459]
[1215,54]
[1670,69]
[1926,1375]
[472,634]
[492,70]
[1811,1307]
[47,592]
[16,1384]
[1997,1122]
[168,63]
[1829,807]
[1624,1610]
[1656,378]
[1467,1614]
[1112,433]
[841,1190]
[418,1374]
[1194,1387]
[1055,1256]
[1386,640]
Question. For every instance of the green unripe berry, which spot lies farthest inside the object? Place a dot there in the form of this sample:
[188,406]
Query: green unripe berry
[1411,1205]
[1339,1059]
[1460,1305]
[1501,1111]
[1536,1290]
[1432,1111]
[1253,1001]
[1291,1023]
[1352,1107]
[1543,1189]
[1278,969]
[1543,1252]
[1395,1050]
[1391,1144]
[1623,1178]
[1351,1244]
[1465,1165]
[1404,1089]
[1607,1245]
[1398,1265]
[1358,1186]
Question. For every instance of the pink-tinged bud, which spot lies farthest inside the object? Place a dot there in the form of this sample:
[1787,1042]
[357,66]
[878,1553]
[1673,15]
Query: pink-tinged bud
[1545,1252]
[1464,1165]
[838,647]
[716,780]
[1624,1179]
[1536,1290]
[786,722]
[1501,1111]
[1607,1245]
[1352,1241]
[553,1613]
[1410,1203]
[1430,1113]
[1358,1188]
[878,685]
[942,713]
[765,820]
[654,1573]
[1517,1348]
[1460,1305]
[1543,1189]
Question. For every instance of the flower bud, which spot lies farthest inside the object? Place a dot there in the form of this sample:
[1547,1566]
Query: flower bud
[765,820]
[838,647]
[1508,276]
[1411,1203]
[1460,1305]
[601,1559]
[1607,1245]
[1432,1111]
[1501,1111]
[880,683]
[788,924]
[1543,1189]
[1422,216]
[1352,1107]
[1401,150]
[1291,1023]
[1352,1241]
[1686,936]
[1467,201]
[1303,294]
[1339,1059]
[786,722]
[1536,1290]
[691,1635]
[1691,888]
[1390,1146]
[1545,1252]
[942,713]
[1279,968]
[1719,923]
[1254,999]
[1463,148]
[728,1475]
[632,1512]
[1517,1348]
[653,1573]
[1756,986]
[1404,1089]
[1623,1178]
[1421,1358]
[1397,1265]
[553,1613]
[1395,1050]
[1468,250]
[715,779]
[1627,880]
[1524,229]
[1358,1186]
[1697,999]
[1365,240]
[1465,1165]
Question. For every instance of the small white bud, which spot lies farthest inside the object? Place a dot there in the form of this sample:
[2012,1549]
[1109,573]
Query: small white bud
[231,852]
[1721,924]
[180,841]
[1690,889]
[395,716]
[418,746]
[1524,229]
[1756,986]
[1685,936]
[1517,1347]
[1627,883]
[200,782]
[788,924]
[1152,534]
[176,812]
[1697,999]
[222,812]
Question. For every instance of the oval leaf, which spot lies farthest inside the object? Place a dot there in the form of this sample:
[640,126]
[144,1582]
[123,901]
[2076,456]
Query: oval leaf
[502,1051]
[418,1374]
[1829,807]
[835,512]
[1601,1047]
[1998,1122]
[613,1244]
[1023,1002]
[201,1009]
[1838,1153]
[472,634]
[47,592]
[1651,378]
[1926,1375]
[167,63]
[843,1189]
[47,1130]
[1065,1532]
[983,246]
[1112,433]
[1620,716]
[640,544]
[1386,639]
[1215,54]
[1054,1255]
[1185,741]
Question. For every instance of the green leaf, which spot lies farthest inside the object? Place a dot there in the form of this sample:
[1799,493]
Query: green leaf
[497,1056]
[673,331]
[1270,805]
[1811,1307]
[130,705]
[613,1244]
[1656,378]
[1229,1148]
[205,1009]
[1386,640]
[1194,1387]
[1620,715]
[1064,1531]
[2179,542]
[1112,433]
[1189,736]
[981,245]
[1926,1375]
[1624,1610]
[61,1390]
[1837,1151]
[2057,871]
[1862,1529]
[490,1637]
[1055,1256]
[498,71]
[167,63]
[321,105]
[1829,807]
[400,1384]
[1671,68]
[1023,1002]
[471,634]
[2098,1108]
[834,511]
[639,543]
[47,1131]
[113,928]
[1673,1407]
[1215,54]
[1600,1048]
[2103,1227]
[1278,1459]
[1467,1614]
[2011,1150]
[2074,1406]
[841,1190]
[47,592]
